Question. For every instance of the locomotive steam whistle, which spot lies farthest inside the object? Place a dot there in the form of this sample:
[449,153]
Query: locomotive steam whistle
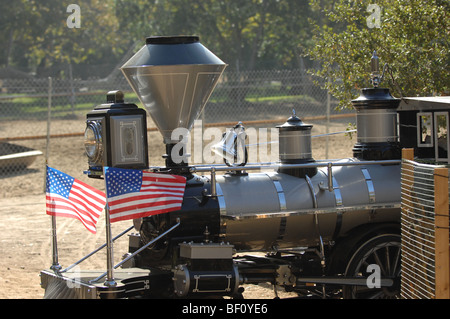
[375,66]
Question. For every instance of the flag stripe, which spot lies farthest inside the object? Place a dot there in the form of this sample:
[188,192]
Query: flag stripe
[89,206]
[62,208]
[137,196]
[159,190]
[91,190]
[92,205]
[163,177]
[95,195]
[61,212]
[122,207]
[147,183]
[55,204]
[139,213]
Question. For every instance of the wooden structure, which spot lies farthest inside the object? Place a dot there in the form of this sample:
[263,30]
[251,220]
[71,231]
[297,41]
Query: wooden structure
[425,230]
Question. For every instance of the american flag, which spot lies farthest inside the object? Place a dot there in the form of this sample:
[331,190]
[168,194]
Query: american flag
[134,193]
[69,197]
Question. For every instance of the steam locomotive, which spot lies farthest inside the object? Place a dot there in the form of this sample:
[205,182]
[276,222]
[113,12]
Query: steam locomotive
[318,228]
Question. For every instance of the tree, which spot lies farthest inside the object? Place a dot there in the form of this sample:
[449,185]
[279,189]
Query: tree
[96,39]
[19,24]
[232,29]
[37,33]
[411,36]
[246,34]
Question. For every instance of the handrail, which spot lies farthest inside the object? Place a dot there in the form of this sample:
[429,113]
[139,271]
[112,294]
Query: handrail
[96,250]
[213,169]
[139,250]
[276,165]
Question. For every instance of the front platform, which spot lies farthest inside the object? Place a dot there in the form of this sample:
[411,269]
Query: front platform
[130,282]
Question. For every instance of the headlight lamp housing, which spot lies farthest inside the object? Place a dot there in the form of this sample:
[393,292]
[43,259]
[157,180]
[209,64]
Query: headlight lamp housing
[116,135]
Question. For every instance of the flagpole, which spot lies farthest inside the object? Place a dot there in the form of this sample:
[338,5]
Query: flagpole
[109,252]
[56,267]
[110,282]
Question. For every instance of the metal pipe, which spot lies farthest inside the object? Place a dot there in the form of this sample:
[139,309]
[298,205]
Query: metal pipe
[341,280]
[328,123]
[213,182]
[330,177]
[96,250]
[280,165]
[139,250]
[56,267]
[148,244]
[250,279]
[110,282]
[311,188]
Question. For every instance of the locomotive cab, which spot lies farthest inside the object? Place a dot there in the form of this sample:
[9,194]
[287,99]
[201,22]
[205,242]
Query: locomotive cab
[424,126]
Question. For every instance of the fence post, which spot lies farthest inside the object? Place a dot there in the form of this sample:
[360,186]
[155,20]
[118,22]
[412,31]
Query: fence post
[328,124]
[47,145]
[407,181]
[408,153]
[441,234]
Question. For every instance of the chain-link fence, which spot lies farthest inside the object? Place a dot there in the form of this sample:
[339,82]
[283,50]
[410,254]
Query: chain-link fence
[44,119]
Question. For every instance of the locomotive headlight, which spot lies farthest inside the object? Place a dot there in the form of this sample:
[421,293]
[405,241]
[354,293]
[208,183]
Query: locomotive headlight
[115,135]
[93,141]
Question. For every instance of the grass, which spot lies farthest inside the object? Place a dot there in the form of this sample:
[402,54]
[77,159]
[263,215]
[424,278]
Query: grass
[35,106]
[19,106]
[280,99]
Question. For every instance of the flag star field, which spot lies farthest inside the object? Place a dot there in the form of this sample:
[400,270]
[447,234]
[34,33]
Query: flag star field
[120,182]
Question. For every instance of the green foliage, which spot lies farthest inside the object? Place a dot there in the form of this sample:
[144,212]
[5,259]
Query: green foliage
[250,34]
[246,34]
[35,33]
[412,38]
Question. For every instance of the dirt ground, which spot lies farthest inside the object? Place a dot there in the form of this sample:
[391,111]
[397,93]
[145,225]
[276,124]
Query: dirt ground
[25,229]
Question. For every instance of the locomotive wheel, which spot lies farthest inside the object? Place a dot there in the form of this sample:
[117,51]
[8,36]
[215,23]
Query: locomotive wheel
[384,251]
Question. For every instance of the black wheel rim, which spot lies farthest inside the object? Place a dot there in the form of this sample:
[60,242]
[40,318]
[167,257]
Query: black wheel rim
[385,254]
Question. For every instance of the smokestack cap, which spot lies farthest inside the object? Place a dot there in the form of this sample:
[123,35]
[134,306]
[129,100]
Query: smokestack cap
[172,40]
[375,98]
[172,50]
[294,123]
